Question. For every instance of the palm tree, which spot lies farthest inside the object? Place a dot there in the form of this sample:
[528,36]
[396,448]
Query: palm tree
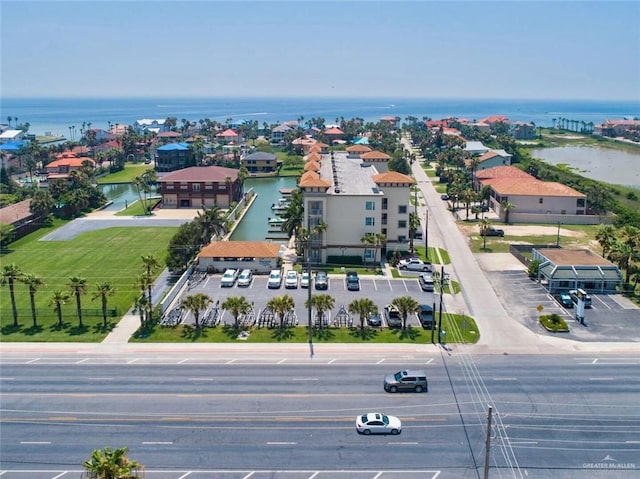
[322,303]
[363,307]
[34,283]
[138,183]
[484,228]
[111,464]
[10,274]
[151,264]
[414,225]
[213,222]
[281,305]
[606,235]
[196,303]
[144,283]
[376,240]
[237,306]
[405,305]
[468,196]
[78,288]
[58,298]
[507,207]
[104,289]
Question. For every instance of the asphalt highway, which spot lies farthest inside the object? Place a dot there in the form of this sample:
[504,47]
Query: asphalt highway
[208,418]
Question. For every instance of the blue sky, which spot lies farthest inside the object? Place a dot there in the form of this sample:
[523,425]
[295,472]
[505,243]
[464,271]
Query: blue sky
[453,49]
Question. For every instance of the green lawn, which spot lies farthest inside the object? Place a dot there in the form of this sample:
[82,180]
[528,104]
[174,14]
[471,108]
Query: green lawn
[131,170]
[135,208]
[112,255]
[451,323]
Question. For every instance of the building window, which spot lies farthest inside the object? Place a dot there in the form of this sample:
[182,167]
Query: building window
[370,206]
[541,200]
[169,186]
[222,186]
[402,209]
[184,186]
[208,186]
[369,221]
[402,224]
[580,203]
[385,204]
[195,187]
[384,218]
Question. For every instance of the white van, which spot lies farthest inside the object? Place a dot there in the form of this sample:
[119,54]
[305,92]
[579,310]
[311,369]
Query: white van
[577,293]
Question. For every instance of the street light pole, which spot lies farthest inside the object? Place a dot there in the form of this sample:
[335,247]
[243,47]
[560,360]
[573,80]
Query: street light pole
[558,237]
[440,313]
[426,233]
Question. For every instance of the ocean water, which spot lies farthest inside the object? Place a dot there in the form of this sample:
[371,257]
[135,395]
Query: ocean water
[56,115]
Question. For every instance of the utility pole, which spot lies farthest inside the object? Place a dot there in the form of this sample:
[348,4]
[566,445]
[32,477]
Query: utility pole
[487,447]
[426,233]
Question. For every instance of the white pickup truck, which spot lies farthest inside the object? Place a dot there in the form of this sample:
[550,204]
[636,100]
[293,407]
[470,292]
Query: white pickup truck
[414,264]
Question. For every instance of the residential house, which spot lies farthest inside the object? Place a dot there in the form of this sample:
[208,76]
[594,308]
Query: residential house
[259,256]
[12,136]
[168,137]
[260,162]
[377,158]
[615,128]
[278,133]
[533,200]
[151,126]
[565,269]
[356,150]
[19,216]
[475,148]
[390,120]
[353,199]
[172,156]
[229,137]
[200,186]
[492,158]
[65,163]
[101,135]
[523,131]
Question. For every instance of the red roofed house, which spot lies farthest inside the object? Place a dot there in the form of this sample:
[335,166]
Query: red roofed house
[334,134]
[65,163]
[229,136]
[534,201]
[490,120]
[258,256]
[200,186]
[355,199]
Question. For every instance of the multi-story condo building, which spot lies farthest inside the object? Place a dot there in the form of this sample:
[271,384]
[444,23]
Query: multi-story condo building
[353,199]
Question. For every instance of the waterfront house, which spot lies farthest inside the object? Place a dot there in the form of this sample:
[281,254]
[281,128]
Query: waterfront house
[278,133]
[11,136]
[229,137]
[259,256]
[353,199]
[172,156]
[260,162]
[523,131]
[475,148]
[565,269]
[492,158]
[20,216]
[533,200]
[65,163]
[150,126]
[200,186]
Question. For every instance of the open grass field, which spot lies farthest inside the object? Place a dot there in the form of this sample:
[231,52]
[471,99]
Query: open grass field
[112,255]
[131,170]
[459,328]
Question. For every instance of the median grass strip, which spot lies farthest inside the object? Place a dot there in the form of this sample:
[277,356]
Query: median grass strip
[112,255]
[459,329]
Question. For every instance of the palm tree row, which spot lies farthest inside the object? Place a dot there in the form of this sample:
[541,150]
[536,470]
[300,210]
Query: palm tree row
[238,306]
[77,287]
[622,246]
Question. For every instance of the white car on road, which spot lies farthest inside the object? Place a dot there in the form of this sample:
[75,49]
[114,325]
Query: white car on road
[378,423]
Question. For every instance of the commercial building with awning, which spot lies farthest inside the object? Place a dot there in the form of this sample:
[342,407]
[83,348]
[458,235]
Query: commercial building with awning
[565,269]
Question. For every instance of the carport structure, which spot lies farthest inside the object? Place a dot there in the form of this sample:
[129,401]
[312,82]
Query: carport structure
[564,269]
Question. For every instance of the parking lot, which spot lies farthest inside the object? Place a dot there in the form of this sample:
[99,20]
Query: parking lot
[381,290]
[611,318]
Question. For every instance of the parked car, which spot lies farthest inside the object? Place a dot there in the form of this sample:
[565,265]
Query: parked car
[414,264]
[353,282]
[275,279]
[409,380]
[417,234]
[444,197]
[426,281]
[378,423]
[425,316]
[321,281]
[304,280]
[392,316]
[291,280]
[491,231]
[484,208]
[575,295]
[245,278]
[229,278]
[374,320]
[564,299]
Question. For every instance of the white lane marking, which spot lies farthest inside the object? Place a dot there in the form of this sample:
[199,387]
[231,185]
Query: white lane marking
[281,361]
[314,475]
[403,443]
[248,475]
[157,443]
[59,475]
[231,361]
[332,361]
[35,442]
[131,361]
[183,361]
[504,379]
[82,361]
[33,360]
[595,361]
[601,379]
[200,379]
[99,379]
[304,379]
[430,361]
[380,362]
[281,443]
[185,475]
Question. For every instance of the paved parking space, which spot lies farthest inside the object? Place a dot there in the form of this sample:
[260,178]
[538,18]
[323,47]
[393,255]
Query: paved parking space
[381,290]
[610,318]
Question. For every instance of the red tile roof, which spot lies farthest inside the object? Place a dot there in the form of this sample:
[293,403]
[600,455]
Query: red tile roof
[227,133]
[375,155]
[240,249]
[494,119]
[71,161]
[393,177]
[333,131]
[358,149]
[217,174]
[502,171]
[312,179]
[312,166]
[530,187]
[169,134]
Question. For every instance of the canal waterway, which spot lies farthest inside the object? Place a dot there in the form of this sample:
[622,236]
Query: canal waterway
[255,224]
[121,195]
[603,164]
